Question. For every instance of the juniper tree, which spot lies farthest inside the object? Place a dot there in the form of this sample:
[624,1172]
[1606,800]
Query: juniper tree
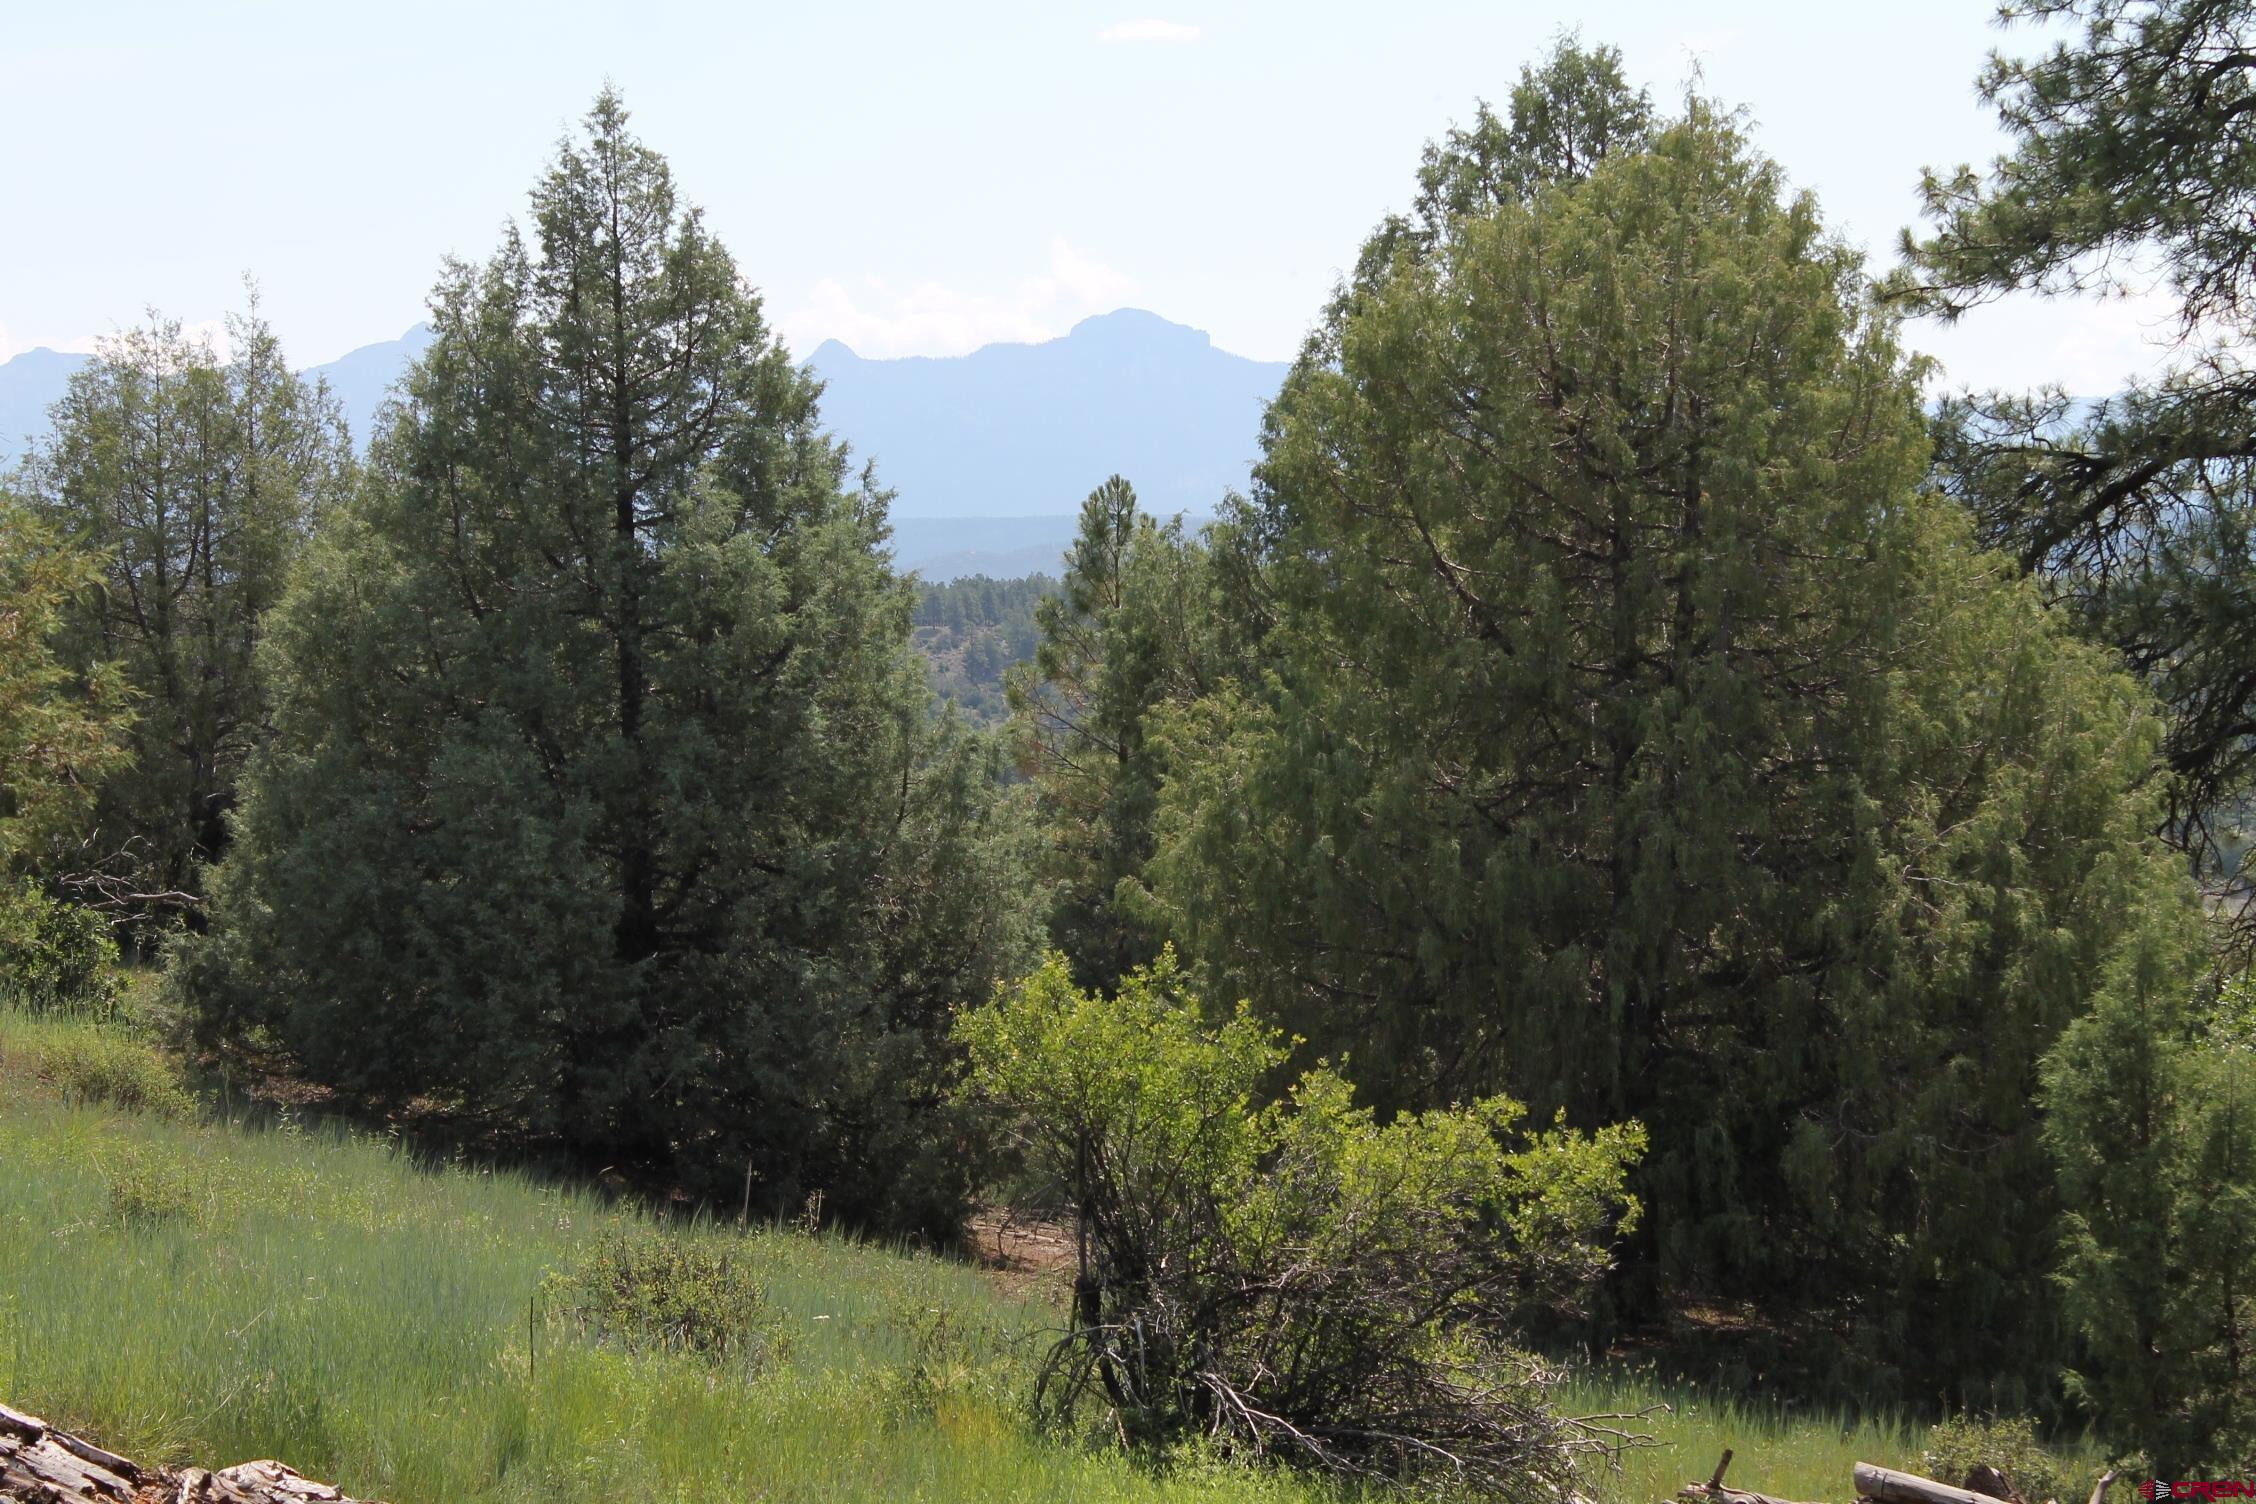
[1638,740]
[197,480]
[62,735]
[606,801]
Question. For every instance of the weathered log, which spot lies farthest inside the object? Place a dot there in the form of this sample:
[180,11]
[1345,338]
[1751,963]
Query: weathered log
[257,1483]
[1891,1487]
[1715,1479]
[41,1465]
[2099,1489]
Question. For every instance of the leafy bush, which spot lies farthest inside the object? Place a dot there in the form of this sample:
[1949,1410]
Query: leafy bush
[1958,1446]
[1296,1280]
[55,957]
[646,1291]
[91,1066]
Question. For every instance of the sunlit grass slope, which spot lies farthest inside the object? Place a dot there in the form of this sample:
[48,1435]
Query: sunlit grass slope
[186,1289]
[181,1288]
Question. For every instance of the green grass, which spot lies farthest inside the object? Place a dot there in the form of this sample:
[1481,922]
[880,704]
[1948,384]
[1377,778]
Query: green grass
[180,1288]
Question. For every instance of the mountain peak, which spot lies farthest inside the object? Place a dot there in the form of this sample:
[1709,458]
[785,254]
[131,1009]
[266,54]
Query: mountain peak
[1138,326]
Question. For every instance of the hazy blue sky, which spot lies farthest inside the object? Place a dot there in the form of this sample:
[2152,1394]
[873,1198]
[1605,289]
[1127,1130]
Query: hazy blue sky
[912,178]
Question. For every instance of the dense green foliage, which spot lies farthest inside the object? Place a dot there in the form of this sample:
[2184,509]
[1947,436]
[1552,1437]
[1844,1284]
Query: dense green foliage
[1140,621]
[61,730]
[1959,1445]
[2132,154]
[1611,722]
[972,631]
[2131,149]
[55,956]
[1594,707]
[654,1293]
[62,734]
[2152,1116]
[604,801]
[196,480]
[1295,1277]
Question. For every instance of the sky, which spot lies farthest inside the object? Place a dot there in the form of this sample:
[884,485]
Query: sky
[913,179]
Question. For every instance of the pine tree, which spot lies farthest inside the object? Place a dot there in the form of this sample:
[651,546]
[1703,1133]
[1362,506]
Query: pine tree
[1134,627]
[607,802]
[2132,148]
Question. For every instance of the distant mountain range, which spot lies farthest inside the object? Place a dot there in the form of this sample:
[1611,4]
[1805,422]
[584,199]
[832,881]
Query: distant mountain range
[34,381]
[989,454]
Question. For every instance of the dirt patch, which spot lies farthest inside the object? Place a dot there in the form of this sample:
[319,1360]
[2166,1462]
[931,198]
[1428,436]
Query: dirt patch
[1024,1252]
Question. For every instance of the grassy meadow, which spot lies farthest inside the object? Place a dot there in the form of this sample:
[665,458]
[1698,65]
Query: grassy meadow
[179,1287]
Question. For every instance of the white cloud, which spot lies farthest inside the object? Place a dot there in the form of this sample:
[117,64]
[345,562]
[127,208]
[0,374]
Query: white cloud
[879,319]
[209,332]
[13,345]
[1150,30]
[2088,346]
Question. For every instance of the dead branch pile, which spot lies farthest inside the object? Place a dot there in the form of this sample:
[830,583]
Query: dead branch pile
[41,1465]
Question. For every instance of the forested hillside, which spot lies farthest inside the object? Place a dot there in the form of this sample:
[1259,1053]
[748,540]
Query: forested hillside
[973,631]
[1637,834]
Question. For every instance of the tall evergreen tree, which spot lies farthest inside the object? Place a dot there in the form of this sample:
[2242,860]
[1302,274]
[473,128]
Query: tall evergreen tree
[2152,1119]
[606,800]
[196,480]
[1640,742]
[1135,625]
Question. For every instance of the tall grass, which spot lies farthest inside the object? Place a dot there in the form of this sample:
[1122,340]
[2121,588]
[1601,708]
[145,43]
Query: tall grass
[328,1300]
[183,1288]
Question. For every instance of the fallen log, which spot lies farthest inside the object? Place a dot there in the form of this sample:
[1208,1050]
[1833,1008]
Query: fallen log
[38,1463]
[41,1465]
[1888,1486]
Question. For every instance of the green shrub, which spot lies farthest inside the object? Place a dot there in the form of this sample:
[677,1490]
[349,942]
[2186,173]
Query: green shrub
[55,957]
[1296,1280]
[645,1291]
[147,1187]
[91,1066]
[1958,1446]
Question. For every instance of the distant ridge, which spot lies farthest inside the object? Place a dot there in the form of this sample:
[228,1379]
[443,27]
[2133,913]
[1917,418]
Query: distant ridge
[1028,430]
[34,381]
[989,454]
[30,384]
[362,378]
